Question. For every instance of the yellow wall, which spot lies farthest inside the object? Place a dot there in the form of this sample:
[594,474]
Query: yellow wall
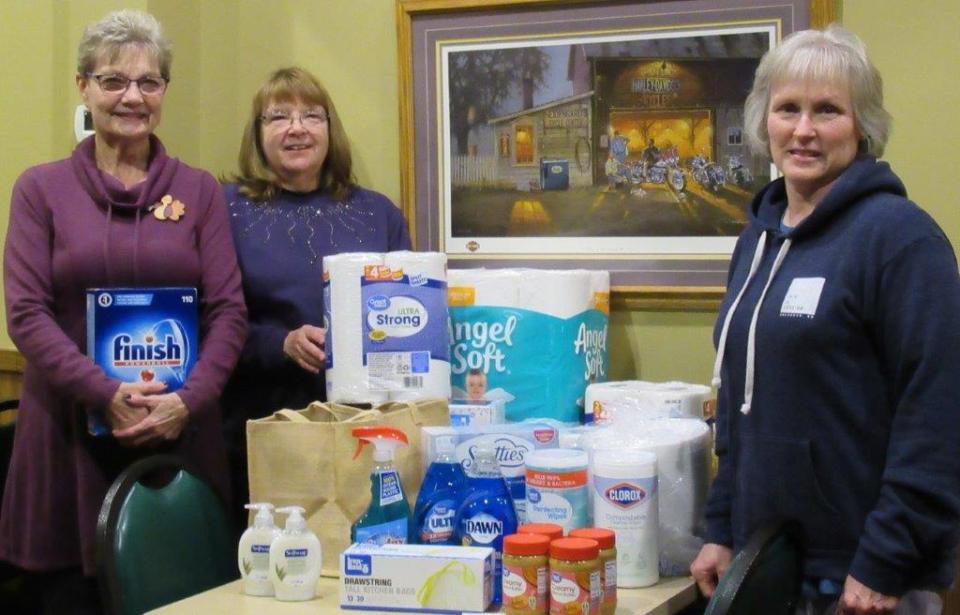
[224,49]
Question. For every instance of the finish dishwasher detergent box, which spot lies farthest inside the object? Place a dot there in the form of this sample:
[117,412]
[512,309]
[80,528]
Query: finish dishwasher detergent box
[142,335]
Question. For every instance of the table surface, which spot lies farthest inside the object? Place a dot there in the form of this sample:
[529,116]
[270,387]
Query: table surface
[665,598]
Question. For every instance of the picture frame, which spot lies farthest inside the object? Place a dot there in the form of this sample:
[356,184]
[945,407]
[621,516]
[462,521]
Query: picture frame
[445,205]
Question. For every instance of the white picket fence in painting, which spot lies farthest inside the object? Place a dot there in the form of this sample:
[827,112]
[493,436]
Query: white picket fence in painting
[473,170]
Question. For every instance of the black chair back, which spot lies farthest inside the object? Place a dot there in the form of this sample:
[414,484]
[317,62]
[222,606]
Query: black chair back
[764,578]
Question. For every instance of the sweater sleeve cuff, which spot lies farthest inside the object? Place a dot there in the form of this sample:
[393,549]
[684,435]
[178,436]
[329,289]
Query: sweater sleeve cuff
[101,393]
[878,575]
[718,531]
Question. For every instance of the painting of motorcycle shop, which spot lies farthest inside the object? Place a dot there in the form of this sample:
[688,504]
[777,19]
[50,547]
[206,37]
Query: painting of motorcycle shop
[638,137]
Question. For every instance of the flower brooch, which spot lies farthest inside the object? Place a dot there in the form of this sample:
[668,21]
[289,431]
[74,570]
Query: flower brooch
[168,208]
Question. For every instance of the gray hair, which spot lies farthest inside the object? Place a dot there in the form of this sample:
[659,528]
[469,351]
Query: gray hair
[834,55]
[119,29]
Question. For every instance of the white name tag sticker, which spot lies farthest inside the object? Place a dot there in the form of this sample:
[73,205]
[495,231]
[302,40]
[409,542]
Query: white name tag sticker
[802,298]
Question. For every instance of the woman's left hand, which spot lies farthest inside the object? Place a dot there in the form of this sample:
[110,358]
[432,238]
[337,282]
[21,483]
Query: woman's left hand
[858,599]
[168,416]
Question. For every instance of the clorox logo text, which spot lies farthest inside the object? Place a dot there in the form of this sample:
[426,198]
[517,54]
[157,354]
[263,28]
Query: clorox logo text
[625,495]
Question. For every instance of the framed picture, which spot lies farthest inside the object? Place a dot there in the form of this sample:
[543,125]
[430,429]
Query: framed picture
[604,135]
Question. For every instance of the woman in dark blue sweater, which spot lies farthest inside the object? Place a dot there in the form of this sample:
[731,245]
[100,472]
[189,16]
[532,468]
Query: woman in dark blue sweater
[838,349]
[294,202]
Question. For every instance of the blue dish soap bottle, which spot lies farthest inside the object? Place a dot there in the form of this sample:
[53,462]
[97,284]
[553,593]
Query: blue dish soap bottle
[441,494]
[487,513]
[387,519]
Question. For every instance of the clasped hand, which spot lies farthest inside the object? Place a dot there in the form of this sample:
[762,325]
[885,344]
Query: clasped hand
[141,414]
[305,346]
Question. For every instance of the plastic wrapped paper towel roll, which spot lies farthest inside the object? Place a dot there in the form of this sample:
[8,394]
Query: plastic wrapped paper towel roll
[682,447]
[387,326]
[532,337]
[420,268]
[346,372]
[608,402]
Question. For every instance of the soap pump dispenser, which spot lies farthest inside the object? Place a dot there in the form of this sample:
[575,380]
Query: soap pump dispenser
[253,555]
[295,558]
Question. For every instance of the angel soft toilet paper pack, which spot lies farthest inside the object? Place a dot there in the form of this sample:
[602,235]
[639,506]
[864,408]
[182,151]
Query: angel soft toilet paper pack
[532,338]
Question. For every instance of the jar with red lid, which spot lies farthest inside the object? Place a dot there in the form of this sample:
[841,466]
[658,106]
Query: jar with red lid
[574,576]
[551,530]
[607,540]
[525,574]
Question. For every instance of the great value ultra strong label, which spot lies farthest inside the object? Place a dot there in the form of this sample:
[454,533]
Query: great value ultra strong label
[142,335]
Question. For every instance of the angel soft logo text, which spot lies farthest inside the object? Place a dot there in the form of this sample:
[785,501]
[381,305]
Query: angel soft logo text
[476,345]
[592,344]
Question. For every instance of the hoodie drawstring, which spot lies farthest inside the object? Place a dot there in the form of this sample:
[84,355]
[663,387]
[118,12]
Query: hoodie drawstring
[751,338]
[722,345]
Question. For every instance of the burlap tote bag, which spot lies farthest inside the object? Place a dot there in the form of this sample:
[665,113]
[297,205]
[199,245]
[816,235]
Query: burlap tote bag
[305,458]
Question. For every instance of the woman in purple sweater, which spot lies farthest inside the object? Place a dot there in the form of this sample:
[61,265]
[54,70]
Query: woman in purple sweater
[294,202]
[91,221]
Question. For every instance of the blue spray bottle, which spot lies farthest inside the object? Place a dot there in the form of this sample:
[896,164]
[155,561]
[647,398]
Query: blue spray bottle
[387,520]
[442,492]
[487,513]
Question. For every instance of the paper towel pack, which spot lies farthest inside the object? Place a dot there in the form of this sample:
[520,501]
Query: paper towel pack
[387,326]
[639,400]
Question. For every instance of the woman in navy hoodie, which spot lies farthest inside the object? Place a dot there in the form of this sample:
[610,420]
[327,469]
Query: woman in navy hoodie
[838,349]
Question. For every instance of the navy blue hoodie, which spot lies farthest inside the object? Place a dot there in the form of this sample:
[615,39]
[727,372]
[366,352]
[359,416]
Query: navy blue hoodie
[851,423]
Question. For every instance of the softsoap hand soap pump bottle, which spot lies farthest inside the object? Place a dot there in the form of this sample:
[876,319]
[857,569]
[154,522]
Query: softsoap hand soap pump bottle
[253,555]
[295,559]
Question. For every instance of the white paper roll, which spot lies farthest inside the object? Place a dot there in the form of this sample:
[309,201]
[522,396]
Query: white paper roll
[346,375]
[630,400]
[682,447]
[563,294]
[494,287]
[420,267]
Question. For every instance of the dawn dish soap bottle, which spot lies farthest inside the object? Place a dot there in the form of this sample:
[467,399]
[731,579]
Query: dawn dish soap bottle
[295,559]
[487,513]
[442,492]
[253,554]
[387,519]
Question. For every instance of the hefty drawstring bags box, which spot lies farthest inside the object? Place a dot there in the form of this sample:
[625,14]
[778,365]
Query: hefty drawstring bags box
[534,338]
[142,335]
[420,578]
[512,442]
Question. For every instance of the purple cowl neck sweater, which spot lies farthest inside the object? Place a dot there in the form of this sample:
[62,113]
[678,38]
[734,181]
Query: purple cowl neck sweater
[72,228]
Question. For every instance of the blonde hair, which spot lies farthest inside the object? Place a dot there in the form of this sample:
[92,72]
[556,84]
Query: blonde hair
[119,29]
[833,55]
[257,180]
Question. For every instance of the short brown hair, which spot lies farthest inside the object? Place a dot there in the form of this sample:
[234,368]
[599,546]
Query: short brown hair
[257,180]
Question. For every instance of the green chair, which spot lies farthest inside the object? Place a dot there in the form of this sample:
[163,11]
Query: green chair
[158,545]
[764,578]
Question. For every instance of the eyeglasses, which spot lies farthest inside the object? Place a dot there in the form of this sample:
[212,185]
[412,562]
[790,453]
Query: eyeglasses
[279,119]
[114,84]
